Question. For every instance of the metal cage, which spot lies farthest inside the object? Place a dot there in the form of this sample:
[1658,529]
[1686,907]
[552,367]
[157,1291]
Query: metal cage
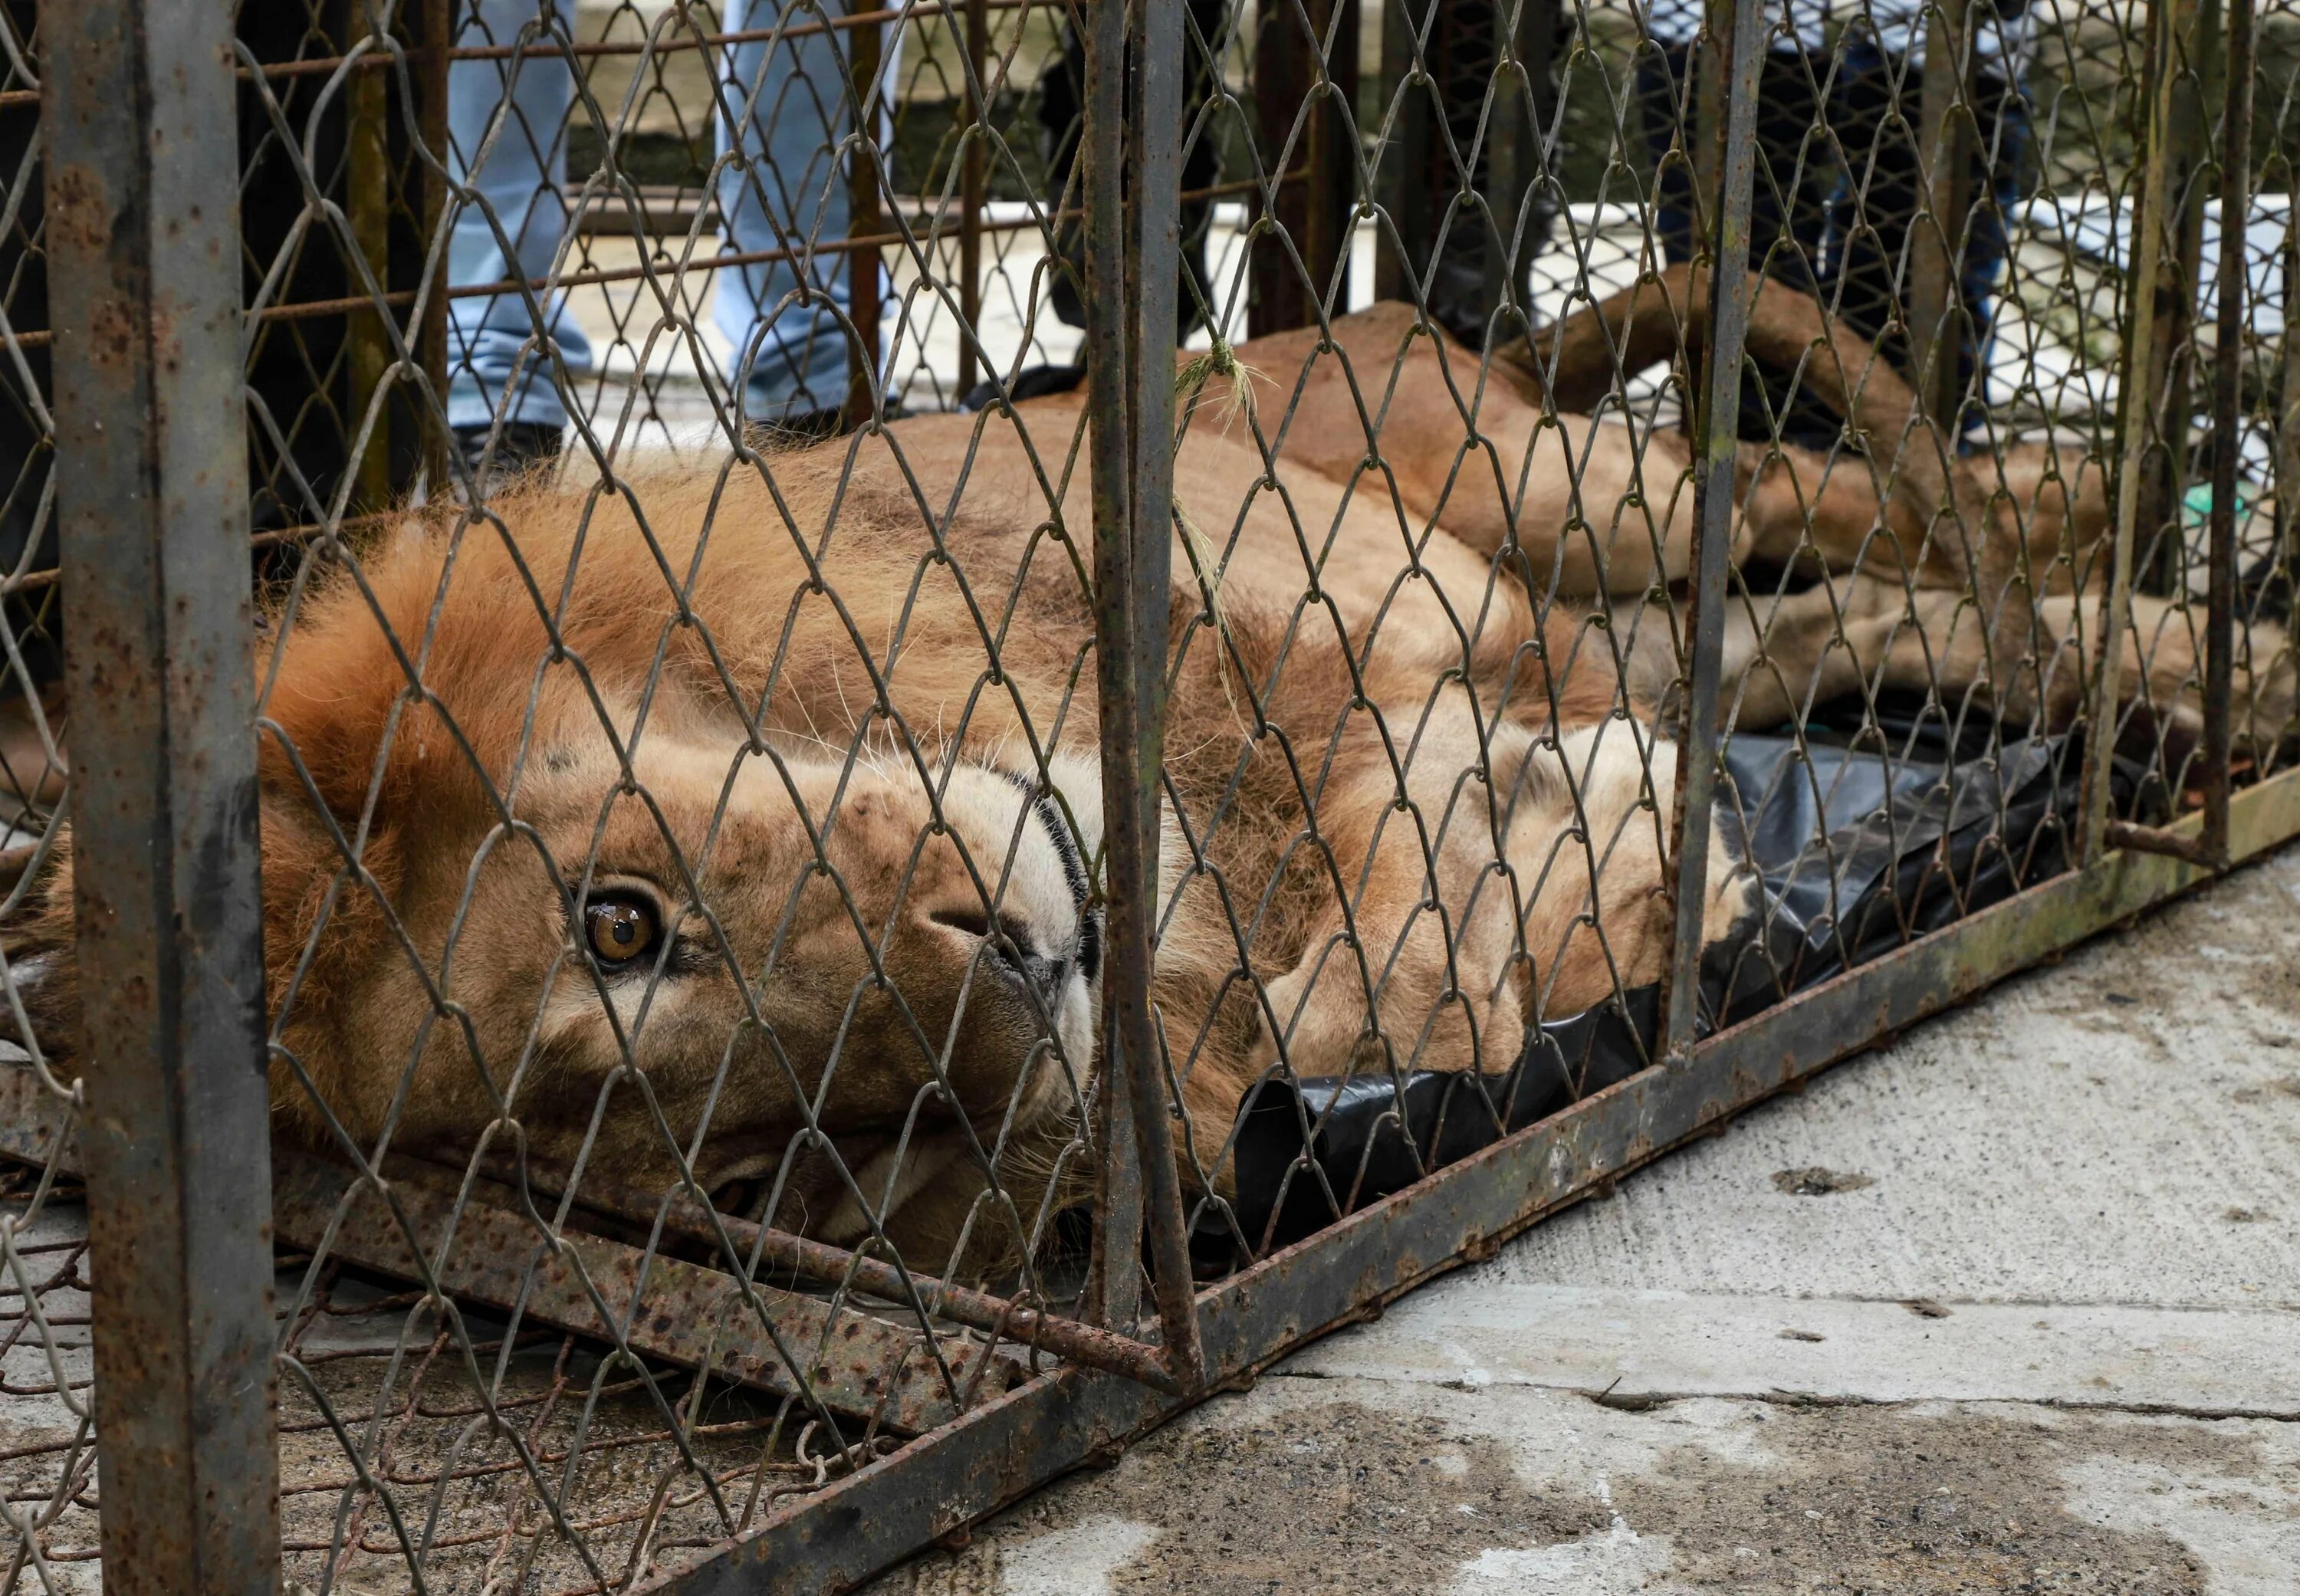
[773,766]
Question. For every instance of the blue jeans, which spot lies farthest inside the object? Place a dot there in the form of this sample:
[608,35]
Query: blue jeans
[781,114]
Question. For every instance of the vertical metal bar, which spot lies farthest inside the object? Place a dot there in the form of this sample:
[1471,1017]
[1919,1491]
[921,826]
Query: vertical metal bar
[1316,201]
[142,226]
[2157,289]
[367,207]
[1945,143]
[1511,159]
[865,268]
[1404,174]
[1716,434]
[974,193]
[2228,419]
[1101,148]
[438,24]
[2286,498]
[1135,81]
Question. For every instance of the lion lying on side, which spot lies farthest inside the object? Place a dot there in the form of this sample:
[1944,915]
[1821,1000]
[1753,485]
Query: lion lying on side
[753,813]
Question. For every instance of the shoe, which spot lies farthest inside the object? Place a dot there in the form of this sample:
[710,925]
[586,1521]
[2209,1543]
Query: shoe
[519,448]
[1031,382]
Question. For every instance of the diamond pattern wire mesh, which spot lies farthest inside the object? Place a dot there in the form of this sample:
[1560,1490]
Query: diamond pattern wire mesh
[684,840]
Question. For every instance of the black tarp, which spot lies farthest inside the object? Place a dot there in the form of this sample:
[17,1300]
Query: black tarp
[1856,851]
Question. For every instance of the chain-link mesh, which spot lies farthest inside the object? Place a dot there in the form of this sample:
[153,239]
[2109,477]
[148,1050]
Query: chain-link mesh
[684,850]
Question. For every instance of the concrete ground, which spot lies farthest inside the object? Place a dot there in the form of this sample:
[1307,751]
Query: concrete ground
[2012,1305]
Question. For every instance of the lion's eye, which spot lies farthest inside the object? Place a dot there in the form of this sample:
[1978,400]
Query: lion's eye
[620,929]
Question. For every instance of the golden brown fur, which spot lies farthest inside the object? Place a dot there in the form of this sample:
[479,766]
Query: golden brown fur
[832,717]
[659,692]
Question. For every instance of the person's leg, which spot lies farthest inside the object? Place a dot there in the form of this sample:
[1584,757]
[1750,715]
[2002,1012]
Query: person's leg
[492,344]
[1872,112]
[1662,108]
[1999,168]
[783,116]
[1788,210]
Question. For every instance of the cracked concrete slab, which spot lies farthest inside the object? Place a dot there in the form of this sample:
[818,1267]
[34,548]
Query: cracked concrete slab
[2023,1314]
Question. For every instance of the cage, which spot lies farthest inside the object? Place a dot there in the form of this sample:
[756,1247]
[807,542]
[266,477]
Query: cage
[772,766]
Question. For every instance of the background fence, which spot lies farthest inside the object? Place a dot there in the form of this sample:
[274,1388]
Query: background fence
[771,766]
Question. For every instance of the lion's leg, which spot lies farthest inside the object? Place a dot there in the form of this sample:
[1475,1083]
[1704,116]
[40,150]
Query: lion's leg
[1457,442]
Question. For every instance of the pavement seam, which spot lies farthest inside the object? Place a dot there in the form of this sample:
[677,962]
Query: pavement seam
[1638,1401]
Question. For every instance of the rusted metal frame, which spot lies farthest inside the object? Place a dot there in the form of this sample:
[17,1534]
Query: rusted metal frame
[866,268]
[1114,1278]
[35,1130]
[592,278]
[1716,442]
[143,235]
[2227,421]
[322,66]
[1945,143]
[778,1250]
[942,1483]
[688,1314]
[974,196]
[438,21]
[2155,326]
[1135,80]
[367,208]
[2209,845]
[1318,212]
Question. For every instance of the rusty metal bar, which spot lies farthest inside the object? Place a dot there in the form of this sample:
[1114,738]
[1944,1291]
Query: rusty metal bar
[2155,325]
[1945,141]
[1318,69]
[322,66]
[974,195]
[865,268]
[819,1260]
[1716,434]
[940,1484]
[143,234]
[367,207]
[431,336]
[1113,1293]
[1135,80]
[683,1313]
[2227,421]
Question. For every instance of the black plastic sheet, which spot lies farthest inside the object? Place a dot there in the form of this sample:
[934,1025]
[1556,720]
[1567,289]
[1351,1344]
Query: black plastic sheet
[1860,841]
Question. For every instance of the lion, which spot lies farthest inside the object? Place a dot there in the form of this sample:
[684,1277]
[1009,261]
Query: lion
[741,824]
[747,820]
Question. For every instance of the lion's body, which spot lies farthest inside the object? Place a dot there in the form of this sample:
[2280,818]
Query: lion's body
[829,718]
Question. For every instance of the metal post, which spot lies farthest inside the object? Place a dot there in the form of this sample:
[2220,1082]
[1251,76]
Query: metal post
[2191,60]
[367,207]
[1315,204]
[1134,115]
[438,24]
[2228,419]
[2158,289]
[1716,434]
[865,267]
[143,228]
[1945,143]
[974,193]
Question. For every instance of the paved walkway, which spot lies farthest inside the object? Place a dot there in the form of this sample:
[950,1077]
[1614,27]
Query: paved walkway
[2012,1305]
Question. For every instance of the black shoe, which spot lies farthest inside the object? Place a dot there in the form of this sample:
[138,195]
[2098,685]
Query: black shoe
[1031,382]
[519,448]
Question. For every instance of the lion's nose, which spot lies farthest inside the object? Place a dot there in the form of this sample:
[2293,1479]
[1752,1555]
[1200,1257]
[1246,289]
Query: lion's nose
[1010,948]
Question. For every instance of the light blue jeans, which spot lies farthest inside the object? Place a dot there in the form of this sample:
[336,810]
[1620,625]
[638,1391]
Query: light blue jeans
[780,115]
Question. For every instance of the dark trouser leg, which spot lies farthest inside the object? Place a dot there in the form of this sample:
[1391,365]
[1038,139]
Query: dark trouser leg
[1788,205]
[1878,109]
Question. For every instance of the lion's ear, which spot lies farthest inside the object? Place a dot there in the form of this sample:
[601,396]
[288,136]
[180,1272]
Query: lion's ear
[38,942]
